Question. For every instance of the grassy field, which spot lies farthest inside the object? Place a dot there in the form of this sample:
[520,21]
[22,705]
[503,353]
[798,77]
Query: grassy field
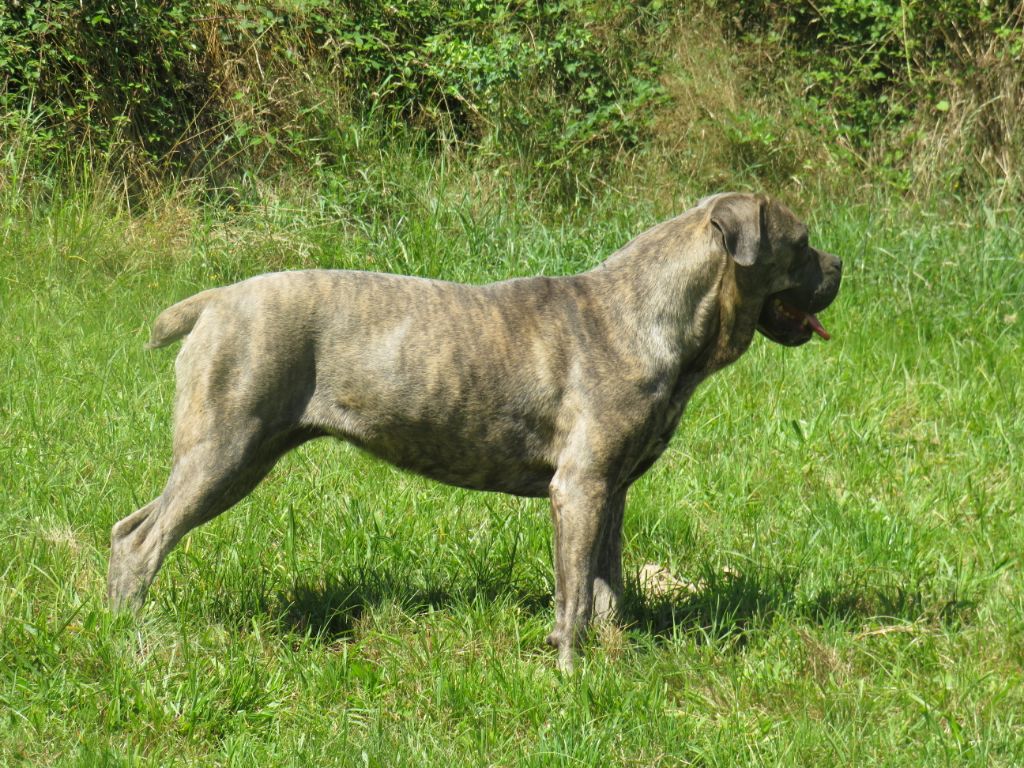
[853,510]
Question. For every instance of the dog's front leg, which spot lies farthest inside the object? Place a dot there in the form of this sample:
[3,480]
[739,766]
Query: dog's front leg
[579,506]
[608,586]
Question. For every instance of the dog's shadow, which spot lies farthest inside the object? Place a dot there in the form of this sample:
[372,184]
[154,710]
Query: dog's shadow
[332,608]
[723,607]
[727,606]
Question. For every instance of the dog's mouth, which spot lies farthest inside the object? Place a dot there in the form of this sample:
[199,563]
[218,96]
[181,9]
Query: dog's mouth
[785,323]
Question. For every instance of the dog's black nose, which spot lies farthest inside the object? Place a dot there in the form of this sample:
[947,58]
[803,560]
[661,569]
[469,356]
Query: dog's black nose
[832,261]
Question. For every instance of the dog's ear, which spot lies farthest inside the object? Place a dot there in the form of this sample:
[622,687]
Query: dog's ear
[740,221]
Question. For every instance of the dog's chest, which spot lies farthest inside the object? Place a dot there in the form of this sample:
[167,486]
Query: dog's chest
[663,422]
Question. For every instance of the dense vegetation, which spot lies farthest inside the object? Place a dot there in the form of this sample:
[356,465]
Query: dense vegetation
[924,96]
[222,89]
[850,510]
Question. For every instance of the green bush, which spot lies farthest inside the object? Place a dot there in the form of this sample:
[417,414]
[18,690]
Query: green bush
[869,63]
[212,87]
[99,69]
[925,96]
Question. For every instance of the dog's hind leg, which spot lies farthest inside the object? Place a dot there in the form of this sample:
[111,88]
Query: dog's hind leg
[210,474]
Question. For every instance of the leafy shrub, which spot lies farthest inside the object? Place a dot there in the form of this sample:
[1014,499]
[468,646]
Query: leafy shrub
[93,69]
[859,56]
[210,86]
[888,72]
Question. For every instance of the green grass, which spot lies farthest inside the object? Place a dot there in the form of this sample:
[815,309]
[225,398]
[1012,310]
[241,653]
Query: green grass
[865,495]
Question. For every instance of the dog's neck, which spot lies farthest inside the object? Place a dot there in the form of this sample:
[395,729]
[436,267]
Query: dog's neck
[736,323]
[680,301]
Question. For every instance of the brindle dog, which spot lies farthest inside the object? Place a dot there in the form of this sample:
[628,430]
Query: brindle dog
[567,387]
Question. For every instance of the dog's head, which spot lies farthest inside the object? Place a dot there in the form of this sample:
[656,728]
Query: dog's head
[776,266]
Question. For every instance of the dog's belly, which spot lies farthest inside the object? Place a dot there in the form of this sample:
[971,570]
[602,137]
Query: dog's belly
[482,464]
[480,445]
[475,473]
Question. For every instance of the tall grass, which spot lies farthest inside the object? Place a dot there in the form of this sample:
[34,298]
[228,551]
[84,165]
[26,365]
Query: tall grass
[851,509]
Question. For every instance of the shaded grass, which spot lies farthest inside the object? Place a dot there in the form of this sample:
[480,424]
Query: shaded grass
[863,494]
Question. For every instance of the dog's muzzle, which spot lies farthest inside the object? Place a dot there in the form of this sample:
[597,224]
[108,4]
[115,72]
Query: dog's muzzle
[788,317]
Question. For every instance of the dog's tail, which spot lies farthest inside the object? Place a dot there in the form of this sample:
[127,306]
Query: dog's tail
[177,320]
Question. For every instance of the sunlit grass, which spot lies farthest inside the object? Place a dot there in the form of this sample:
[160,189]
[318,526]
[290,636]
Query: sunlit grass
[853,509]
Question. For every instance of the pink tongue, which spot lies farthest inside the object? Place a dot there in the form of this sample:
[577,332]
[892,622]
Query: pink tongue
[817,327]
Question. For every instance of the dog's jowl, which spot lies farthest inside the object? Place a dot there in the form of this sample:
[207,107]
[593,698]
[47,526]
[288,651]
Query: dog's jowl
[566,387]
